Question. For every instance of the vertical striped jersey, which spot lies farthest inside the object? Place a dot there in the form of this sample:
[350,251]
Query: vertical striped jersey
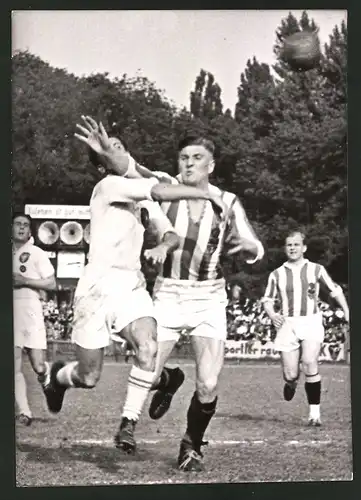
[204,242]
[297,287]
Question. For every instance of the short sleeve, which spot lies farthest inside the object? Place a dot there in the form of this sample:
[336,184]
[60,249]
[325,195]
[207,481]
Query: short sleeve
[327,282]
[43,264]
[240,229]
[271,289]
[123,190]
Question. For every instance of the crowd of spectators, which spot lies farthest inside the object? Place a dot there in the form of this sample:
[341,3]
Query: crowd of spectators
[246,320]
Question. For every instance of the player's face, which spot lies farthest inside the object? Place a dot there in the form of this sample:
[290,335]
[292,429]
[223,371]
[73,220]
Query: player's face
[295,248]
[21,229]
[195,164]
[116,143]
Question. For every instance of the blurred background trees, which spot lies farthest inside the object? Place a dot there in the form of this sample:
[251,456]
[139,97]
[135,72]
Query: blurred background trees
[282,150]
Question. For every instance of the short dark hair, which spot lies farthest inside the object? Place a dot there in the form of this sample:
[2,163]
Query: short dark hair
[196,140]
[15,215]
[295,232]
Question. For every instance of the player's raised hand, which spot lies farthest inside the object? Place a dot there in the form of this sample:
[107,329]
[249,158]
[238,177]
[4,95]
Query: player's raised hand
[93,135]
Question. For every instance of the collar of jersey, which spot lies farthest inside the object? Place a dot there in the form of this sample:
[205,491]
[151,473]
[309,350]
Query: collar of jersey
[290,266]
[23,247]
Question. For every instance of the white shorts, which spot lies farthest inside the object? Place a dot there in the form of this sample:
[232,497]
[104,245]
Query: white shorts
[29,327]
[105,304]
[197,307]
[296,329]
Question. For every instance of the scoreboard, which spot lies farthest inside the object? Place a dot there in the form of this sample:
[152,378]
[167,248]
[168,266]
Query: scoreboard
[62,231]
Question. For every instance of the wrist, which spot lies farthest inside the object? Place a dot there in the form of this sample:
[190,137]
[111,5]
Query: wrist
[165,246]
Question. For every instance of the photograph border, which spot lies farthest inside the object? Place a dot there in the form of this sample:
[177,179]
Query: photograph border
[294,490]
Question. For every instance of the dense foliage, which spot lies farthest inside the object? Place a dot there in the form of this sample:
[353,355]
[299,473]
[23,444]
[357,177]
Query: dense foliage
[283,149]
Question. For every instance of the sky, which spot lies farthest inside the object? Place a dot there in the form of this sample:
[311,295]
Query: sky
[167,47]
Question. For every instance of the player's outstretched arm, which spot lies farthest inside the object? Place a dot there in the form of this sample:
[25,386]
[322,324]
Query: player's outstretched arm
[174,192]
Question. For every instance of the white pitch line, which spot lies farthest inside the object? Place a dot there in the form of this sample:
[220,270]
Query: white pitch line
[110,442]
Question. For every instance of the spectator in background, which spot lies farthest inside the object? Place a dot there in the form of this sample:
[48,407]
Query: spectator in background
[33,273]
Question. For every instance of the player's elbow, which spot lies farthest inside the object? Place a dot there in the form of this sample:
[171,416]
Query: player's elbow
[157,192]
[52,284]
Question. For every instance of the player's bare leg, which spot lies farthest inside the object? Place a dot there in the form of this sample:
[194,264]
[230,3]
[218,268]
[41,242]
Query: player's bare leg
[209,354]
[24,414]
[141,334]
[83,373]
[291,371]
[167,381]
[37,358]
[310,353]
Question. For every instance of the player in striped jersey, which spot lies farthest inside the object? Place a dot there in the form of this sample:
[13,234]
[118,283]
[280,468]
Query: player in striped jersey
[296,285]
[189,293]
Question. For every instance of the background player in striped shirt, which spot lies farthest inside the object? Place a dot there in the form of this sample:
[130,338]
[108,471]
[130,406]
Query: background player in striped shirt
[296,285]
[189,293]
[111,294]
[33,274]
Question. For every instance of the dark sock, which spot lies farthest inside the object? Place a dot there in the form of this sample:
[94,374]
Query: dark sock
[313,391]
[198,417]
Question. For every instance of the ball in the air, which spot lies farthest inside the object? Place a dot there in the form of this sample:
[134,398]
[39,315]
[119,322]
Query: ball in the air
[301,51]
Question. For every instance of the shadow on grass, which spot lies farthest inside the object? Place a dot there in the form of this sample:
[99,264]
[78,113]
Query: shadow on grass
[107,459]
[257,418]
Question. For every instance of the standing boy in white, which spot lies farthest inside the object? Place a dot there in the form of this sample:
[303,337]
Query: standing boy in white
[32,273]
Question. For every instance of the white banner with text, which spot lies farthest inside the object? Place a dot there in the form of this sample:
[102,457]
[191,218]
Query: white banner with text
[243,349]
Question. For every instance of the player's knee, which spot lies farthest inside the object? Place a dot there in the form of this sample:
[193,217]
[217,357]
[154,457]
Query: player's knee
[89,380]
[310,366]
[147,352]
[207,388]
[39,367]
[290,373]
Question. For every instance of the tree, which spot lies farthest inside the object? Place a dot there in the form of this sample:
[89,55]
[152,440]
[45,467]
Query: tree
[256,99]
[205,100]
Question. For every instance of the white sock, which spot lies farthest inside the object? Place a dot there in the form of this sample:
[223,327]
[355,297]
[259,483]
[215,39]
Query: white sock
[64,374]
[44,378]
[139,384]
[21,398]
[315,412]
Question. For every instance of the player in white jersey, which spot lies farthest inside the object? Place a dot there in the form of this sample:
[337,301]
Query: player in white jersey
[299,325]
[111,295]
[189,293]
[32,274]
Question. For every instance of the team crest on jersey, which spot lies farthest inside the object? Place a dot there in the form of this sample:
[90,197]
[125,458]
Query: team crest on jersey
[22,269]
[311,291]
[24,257]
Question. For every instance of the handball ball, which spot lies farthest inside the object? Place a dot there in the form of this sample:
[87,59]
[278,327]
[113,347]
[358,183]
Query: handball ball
[301,50]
